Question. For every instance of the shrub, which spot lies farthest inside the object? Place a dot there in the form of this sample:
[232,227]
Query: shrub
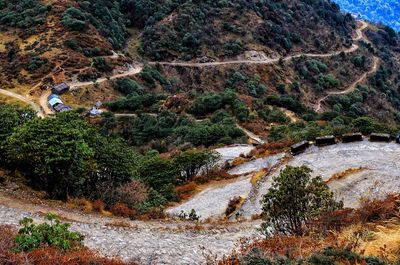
[375,209]
[74,19]
[101,64]
[7,239]
[233,205]
[35,63]
[233,48]
[54,234]
[98,206]
[121,209]
[191,162]
[128,86]
[294,199]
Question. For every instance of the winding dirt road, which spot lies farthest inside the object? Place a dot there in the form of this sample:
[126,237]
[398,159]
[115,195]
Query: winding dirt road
[131,71]
[351,88]
[353,48]
[21,98]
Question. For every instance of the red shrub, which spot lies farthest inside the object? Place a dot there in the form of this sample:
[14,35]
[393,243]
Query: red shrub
[377,210]
[50,256]
[7,238]
[213,175]
[98,205]
[335,220]
[186,190]
[121,209]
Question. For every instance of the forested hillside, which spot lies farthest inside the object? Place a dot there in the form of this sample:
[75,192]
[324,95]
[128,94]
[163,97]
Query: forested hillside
[384,11]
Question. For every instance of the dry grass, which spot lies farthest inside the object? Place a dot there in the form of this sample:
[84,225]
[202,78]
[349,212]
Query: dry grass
[344,174]
[238,161]
[256,177]
[12,101]
[384,242]
[80,204]
[5,38]
[29,41]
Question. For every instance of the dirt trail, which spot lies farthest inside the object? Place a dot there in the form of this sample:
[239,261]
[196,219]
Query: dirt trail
[251,135]
[19,97]
[43,102]
[133,70]
[352,87]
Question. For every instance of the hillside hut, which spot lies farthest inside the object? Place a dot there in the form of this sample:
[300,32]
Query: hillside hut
[60,89]
[352,137]
[379,137]
[325,140]
[299,147]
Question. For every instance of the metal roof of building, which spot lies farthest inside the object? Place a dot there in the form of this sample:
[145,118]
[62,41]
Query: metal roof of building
[55,101]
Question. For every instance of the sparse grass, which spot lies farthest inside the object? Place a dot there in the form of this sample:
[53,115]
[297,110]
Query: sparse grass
[80,204]
[5,38]
[12,101]
[256,177]
[344,174]
[238,161]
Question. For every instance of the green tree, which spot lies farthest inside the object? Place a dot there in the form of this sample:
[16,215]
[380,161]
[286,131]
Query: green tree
[74,19]
[10,118]
[128,86]
[294,199]
[158,173]
[54,153]
[192,162]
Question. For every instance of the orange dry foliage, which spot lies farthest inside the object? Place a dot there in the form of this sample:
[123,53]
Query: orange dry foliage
[121,209]
[379,210]
[289,246]
[50,256]
[98,206]
[185,191]
[271,148]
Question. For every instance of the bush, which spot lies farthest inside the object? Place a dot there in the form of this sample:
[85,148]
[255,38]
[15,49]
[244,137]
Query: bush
[23,13]
[53,234]
[294,199]
[74,19]
[121,209]
[35,63]
[233,48]
[128,86]
[101,64]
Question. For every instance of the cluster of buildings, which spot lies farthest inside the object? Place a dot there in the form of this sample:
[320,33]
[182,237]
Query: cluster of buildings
[54,100]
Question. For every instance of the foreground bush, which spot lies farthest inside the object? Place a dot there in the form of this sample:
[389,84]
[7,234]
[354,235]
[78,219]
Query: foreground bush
[294,199]
[46,254]
[53,234]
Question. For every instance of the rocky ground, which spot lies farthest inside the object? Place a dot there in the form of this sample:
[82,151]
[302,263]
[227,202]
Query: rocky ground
[373,170]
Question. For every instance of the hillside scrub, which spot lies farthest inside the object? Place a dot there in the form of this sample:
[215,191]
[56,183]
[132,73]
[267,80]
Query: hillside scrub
[167,130]
[68,158]
[23,14]
[192,28]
